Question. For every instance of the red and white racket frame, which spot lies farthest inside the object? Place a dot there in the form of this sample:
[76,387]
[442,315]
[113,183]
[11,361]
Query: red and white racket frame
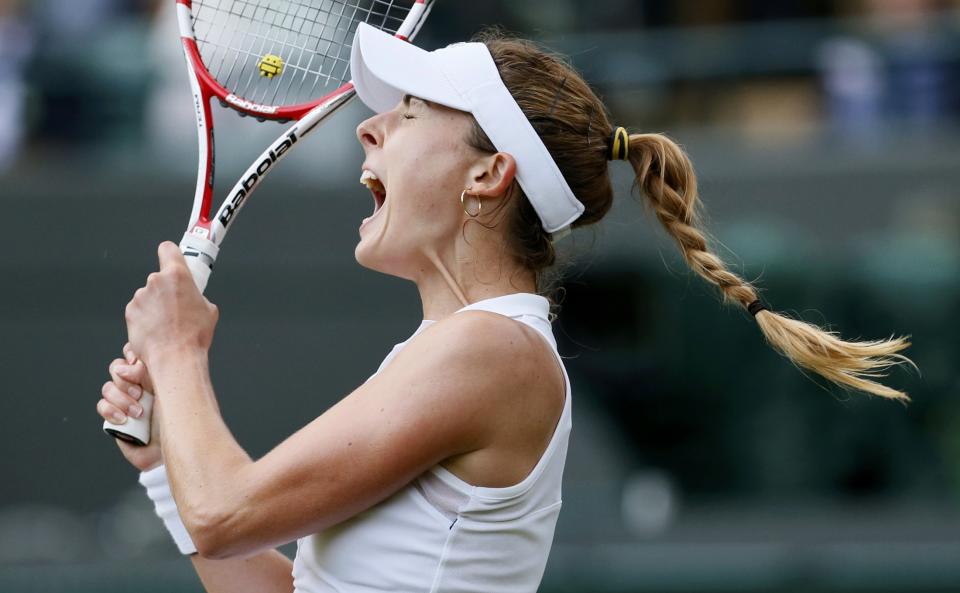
[201,242]
[205,232]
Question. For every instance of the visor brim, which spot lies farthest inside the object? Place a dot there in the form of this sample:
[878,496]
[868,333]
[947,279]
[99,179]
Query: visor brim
[385,68]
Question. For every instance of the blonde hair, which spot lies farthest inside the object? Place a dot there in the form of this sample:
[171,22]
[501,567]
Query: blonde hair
[574,125]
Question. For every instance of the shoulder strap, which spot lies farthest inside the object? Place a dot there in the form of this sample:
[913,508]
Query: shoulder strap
[531,309]
[514,305]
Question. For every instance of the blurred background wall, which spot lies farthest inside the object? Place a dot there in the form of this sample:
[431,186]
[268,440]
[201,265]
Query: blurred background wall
[825,135]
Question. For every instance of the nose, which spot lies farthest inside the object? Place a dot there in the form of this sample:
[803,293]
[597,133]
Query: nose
[369,133]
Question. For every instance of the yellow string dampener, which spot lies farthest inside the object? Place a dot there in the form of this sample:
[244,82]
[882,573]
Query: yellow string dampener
[270,65]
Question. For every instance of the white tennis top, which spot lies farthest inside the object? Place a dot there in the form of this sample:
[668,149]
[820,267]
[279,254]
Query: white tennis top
[440,534]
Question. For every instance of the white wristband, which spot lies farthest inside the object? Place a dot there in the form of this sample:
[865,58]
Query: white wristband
[158,489]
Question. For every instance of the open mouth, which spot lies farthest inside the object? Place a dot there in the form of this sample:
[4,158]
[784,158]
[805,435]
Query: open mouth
[376,187]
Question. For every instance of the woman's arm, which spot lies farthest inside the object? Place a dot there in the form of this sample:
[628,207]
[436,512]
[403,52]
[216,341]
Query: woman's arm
[440,397]
[267,572]
[445,394]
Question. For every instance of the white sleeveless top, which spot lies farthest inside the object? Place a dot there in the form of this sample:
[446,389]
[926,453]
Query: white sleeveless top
[440,534]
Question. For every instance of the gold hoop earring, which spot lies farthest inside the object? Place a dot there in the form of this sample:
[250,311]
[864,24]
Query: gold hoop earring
[463,203]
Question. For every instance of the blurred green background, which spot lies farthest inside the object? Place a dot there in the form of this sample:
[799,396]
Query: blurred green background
[826,138]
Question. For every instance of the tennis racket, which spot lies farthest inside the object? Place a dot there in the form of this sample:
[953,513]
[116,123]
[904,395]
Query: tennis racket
[273,60]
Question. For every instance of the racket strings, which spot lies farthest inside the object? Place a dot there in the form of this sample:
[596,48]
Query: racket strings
[305,45]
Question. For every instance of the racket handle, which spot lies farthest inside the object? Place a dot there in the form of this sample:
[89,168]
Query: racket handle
[200,254]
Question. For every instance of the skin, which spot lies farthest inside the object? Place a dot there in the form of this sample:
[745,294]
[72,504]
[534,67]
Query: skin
[476,392]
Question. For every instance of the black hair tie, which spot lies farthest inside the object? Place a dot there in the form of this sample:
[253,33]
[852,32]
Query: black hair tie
[756,306]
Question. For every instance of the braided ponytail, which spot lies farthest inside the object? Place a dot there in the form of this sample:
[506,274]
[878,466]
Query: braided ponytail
[576,129]
[665,177]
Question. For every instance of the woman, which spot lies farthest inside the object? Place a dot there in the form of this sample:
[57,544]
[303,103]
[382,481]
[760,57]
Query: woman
[442,471]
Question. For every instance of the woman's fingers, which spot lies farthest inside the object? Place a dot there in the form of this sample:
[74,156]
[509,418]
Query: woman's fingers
[122,393]
[110,412]
[138,372]
[128,353]
[119,402]
[128,378]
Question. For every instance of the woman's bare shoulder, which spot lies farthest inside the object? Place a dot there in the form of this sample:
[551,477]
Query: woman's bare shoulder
[518,379]
[489,337]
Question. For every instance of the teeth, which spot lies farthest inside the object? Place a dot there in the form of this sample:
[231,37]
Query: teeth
[373,183]
[367,176]
[370,179]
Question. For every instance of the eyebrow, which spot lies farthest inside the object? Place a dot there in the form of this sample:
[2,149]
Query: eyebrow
[408,97]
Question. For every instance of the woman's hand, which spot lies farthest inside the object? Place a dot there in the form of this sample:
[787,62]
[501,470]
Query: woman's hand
[169,313]
[120,400]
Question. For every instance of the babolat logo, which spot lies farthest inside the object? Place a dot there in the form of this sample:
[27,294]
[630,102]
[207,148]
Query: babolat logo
[254,178]
[244,104]
[198,104]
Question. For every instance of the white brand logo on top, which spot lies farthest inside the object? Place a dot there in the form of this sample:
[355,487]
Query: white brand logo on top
[244,104]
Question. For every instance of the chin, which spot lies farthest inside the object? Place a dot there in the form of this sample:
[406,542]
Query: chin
[367,256]
[363,256]
[370,256]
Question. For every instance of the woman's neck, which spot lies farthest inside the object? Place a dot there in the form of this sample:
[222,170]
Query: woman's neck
[447,286]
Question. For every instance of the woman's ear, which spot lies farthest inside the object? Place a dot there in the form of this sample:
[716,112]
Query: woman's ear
[492,175]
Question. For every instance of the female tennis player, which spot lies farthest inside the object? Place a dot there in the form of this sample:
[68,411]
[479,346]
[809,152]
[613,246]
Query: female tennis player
[442,472]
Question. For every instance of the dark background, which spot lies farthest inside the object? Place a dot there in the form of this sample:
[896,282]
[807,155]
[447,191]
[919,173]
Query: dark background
[825,136]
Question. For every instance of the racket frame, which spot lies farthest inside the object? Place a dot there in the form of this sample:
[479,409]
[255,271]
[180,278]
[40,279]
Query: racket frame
[201,241]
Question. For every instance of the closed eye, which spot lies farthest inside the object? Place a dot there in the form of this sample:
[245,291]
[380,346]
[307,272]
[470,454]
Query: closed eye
[412,103]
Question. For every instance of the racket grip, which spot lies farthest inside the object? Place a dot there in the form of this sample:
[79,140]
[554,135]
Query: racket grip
[200,254]
[135,431]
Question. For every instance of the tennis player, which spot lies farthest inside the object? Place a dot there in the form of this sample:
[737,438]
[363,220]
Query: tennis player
[442,472]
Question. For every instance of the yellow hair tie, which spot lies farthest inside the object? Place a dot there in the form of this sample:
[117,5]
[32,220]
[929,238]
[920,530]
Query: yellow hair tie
[619,145]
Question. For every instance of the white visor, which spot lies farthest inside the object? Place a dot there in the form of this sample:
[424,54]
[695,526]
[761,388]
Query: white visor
[464,76]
